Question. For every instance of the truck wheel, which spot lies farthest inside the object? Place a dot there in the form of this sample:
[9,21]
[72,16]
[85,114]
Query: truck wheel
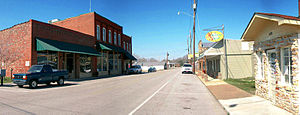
[20,86]
[33,84]
[48,84]
[60,81]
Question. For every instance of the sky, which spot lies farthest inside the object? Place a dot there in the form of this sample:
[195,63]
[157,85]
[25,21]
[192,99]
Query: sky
[155,26]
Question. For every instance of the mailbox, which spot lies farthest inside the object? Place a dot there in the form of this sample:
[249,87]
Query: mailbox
[3,72]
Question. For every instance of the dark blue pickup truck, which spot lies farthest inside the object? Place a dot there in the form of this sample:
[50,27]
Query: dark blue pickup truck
[40,74]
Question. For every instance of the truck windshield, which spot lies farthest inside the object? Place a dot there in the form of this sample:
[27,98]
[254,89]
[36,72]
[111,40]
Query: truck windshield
[35,69]
[187,65]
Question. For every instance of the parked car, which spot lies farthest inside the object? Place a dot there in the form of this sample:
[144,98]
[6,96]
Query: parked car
[187,68]
[40,74]
[152,69]
[135,69]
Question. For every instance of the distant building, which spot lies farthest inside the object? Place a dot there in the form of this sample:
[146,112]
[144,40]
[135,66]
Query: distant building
[212,59]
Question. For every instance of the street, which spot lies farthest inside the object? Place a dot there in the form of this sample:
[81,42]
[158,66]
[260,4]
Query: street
[163,92]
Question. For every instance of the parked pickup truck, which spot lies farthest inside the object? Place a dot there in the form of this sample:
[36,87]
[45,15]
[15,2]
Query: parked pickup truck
[40,74]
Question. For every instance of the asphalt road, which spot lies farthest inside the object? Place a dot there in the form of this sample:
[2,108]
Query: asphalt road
[165,92]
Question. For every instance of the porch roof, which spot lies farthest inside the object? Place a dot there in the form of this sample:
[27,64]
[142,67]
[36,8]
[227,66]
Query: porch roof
[117,49]
[260,20]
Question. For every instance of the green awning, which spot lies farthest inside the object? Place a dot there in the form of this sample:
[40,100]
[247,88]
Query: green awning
[129,56]
[53,45]
[111,47]
[117,49]
[103,47]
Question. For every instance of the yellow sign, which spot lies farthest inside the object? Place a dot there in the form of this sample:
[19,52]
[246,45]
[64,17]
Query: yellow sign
[214,36]
[190,56]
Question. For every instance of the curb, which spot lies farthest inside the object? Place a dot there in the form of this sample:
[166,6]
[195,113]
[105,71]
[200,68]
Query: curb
[213,94]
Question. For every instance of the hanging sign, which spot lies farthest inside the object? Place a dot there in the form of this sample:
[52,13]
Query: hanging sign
[214,36]
[190,56]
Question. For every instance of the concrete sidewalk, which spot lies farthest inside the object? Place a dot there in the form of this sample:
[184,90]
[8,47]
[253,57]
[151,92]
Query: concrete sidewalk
[240,102]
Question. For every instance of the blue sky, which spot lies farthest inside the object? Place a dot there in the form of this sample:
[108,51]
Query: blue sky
[154,24]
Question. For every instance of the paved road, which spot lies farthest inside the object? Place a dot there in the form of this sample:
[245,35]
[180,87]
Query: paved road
[165,92]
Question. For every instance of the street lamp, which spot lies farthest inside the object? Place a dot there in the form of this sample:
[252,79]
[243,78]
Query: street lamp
[189,39]
[194,16]
[184,13]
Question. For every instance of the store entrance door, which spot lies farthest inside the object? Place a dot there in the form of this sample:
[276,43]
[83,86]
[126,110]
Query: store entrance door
[70,65]
[272,72]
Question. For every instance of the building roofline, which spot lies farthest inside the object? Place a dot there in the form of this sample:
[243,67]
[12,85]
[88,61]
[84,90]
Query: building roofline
[107,19]
[15,25]
[60,27]
[268,14]
[248,25]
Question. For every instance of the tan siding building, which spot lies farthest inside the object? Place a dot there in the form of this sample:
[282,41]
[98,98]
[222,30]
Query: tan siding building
[239,55]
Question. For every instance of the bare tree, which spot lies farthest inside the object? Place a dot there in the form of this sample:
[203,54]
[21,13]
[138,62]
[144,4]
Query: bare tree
[10,51]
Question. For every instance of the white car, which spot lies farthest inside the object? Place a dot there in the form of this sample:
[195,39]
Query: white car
[135,69]
[187,68]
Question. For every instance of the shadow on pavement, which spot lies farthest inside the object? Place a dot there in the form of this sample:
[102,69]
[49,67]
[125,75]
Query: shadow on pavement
[102,77]
[7,85]
[43,86]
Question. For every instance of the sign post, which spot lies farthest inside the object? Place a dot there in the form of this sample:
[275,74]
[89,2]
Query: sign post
[2,75]
[215,36]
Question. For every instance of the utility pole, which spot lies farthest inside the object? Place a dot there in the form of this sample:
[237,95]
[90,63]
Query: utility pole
[188,49]
[194,16]
[167,60]
[225,52]
[190,43]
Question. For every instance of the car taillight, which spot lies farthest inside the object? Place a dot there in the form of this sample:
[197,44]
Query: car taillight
[13,76]
[24,77]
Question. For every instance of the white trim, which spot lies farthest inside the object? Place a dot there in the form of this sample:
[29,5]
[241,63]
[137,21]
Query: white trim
[283,82]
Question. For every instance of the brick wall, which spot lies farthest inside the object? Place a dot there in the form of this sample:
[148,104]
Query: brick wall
[127,39]
[53,32]
[83,23]
[15,42]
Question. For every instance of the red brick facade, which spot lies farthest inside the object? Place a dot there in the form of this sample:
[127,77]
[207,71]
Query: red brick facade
[19,41]
[87,23]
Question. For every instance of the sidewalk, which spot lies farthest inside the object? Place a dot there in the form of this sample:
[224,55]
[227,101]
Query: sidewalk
[240,102]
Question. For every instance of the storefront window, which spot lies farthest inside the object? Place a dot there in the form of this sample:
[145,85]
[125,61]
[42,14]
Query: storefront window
[286,65]
[116,61]
[218,65]
[49,57]
[110,61]
[85,64]
[104,62]
[99,61]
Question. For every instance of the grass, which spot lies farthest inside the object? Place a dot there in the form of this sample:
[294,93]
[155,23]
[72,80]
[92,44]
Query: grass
[246,84]
[6,80]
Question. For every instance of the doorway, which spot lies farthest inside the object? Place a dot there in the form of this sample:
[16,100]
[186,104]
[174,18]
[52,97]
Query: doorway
[271,54]
[70,65]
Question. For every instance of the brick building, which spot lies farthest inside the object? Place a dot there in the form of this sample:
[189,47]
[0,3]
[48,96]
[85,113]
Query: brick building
[86,45]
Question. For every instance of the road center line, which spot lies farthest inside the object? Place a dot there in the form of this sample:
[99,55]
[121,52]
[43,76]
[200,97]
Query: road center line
[138,107]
